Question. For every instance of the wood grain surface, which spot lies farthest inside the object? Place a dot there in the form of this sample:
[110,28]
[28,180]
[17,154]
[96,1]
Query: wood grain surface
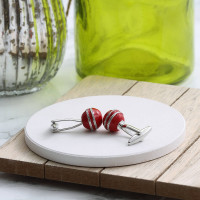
[98,85]
[16,158]
[72,174]
[182,179]
[176,175]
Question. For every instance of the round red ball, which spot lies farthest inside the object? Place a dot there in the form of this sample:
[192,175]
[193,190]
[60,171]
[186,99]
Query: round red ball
[112,119]
[91,119]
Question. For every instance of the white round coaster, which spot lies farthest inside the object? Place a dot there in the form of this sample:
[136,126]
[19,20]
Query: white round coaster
[81,147]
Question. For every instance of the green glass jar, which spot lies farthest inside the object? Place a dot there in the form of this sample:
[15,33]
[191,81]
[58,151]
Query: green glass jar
[149,40]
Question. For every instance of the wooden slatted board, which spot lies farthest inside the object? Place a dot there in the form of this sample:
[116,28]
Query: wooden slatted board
[176,175]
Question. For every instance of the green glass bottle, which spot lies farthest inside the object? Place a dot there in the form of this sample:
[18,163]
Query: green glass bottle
[149,40]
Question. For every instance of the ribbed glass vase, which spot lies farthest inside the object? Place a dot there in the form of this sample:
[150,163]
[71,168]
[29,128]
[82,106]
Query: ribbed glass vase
[32,43]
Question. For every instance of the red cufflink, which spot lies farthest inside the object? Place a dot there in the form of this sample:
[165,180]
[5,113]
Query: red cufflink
[91,119]
[114,120]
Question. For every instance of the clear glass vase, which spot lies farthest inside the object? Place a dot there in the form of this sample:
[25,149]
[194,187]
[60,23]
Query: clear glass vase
[149,40]
[32,43]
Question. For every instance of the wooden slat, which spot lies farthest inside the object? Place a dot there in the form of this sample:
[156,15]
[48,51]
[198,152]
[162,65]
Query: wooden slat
[99,85]
[72,174]
[16,158]
[164,93]
[141,177]
[182,179]
[189,106]
[93,85]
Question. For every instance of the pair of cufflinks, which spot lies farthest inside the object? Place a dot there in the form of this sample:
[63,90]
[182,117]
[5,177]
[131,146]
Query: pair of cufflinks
[113,121]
